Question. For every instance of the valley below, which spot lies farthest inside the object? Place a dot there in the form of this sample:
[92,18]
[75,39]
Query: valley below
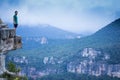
[57,57]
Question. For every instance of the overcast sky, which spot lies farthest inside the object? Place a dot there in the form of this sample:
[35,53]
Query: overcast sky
[77,16]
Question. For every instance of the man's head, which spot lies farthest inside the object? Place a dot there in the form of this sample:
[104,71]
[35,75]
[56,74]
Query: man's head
[16,12]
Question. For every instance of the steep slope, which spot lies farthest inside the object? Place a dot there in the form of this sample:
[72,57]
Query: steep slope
[111,32]
[105,37]
[106,40]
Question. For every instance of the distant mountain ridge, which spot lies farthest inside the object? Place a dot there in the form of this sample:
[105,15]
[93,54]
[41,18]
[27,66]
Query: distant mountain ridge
[106,36]
[46,31]
[111,30]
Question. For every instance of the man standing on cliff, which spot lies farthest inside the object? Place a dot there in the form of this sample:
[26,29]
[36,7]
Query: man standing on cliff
[15,20]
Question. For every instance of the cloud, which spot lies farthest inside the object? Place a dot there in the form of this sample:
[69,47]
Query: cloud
[73,15]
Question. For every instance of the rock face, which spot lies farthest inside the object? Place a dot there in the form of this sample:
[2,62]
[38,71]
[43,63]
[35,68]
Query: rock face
[8,41]
[44,40]
[87,61]
[89,64]
[2,64]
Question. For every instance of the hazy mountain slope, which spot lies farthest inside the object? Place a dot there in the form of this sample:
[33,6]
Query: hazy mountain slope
[41,30]
[105,37]
[111,32]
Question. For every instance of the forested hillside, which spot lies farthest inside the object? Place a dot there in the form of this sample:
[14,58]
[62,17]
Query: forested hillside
[95,55]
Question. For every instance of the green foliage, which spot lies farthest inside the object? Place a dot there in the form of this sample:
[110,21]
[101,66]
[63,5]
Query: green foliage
[12,68]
